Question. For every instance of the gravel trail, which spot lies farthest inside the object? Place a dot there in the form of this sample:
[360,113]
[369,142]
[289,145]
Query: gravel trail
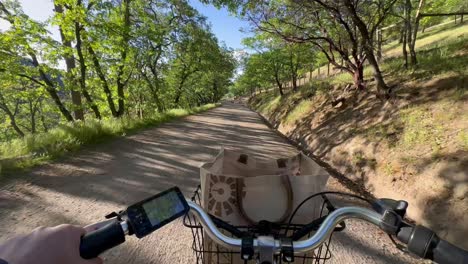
[82,188]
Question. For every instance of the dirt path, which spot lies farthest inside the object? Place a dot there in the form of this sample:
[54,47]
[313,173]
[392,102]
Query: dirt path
[83,188]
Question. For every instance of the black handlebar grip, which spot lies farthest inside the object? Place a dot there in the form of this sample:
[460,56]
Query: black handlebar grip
[424,243]
[446,253]
[96,242]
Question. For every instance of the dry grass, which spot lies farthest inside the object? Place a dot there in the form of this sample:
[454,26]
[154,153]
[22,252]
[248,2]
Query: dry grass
[299,112]
[394,49]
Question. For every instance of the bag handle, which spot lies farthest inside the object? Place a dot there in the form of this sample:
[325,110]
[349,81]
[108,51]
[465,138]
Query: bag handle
[287,185]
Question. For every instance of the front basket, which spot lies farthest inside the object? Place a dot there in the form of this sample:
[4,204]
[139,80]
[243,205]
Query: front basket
[208,252]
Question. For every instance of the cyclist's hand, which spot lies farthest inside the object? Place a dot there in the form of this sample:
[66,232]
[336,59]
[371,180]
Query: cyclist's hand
[51,245]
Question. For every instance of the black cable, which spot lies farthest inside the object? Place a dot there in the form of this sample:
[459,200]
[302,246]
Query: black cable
[397,245]
[322,193]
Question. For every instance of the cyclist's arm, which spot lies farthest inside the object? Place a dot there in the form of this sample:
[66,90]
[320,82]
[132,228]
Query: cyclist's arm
[52,245]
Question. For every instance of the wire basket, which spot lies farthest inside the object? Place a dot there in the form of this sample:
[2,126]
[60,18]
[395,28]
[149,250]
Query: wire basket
[215,254]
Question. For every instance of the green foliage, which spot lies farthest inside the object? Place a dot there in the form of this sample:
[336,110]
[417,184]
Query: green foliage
[341,31]
[273,65]
[122,58]
[35,149]
[447,6]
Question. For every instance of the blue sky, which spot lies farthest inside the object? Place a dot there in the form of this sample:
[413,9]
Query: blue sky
[224,26]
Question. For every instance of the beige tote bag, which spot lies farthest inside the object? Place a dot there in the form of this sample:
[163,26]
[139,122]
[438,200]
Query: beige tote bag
[243,190]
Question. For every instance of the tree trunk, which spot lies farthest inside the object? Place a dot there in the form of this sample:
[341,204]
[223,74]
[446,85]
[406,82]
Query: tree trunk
[367,44]
[121,99]
[126,37]
[382,87]
[50,88]
[358,77]
[328,69]
[83,68]
[280,85]
[406,30]
[13,122]
[43,121]
[140,105]
[179,91]
[405,52]
[294,83]
[154,91]
[70,63]
[412,42]
[215,92]
[11,115]
[103,79]
[379,45]
[184,77]
[15,126]
[32,111]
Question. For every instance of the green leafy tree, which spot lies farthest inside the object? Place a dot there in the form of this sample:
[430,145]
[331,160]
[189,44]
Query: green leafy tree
[342,30]
[124,58]
[21,41]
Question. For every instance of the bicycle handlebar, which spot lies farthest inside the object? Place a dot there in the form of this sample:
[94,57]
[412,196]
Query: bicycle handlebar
[326,228]
[421,241]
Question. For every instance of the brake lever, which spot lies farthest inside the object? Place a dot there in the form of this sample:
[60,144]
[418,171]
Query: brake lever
[386,204]
[116,215]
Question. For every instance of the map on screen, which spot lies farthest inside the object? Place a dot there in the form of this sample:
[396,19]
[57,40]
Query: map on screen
[163,208]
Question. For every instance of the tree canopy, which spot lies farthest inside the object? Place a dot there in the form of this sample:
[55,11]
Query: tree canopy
[346,34]
[113,59]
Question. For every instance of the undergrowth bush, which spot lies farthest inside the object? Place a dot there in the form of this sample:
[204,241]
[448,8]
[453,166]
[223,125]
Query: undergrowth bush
[34,149]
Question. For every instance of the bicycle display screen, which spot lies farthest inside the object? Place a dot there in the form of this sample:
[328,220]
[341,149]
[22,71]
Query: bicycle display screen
[152,213]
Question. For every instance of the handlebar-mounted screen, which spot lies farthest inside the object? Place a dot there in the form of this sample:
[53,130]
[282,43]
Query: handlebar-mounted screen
[151,214]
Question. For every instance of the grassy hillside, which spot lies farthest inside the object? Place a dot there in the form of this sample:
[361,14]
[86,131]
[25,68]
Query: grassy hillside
[412,147]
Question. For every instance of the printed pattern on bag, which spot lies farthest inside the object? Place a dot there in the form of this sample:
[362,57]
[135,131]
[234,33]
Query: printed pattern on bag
[292,165]
[222,195]
[220,179]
